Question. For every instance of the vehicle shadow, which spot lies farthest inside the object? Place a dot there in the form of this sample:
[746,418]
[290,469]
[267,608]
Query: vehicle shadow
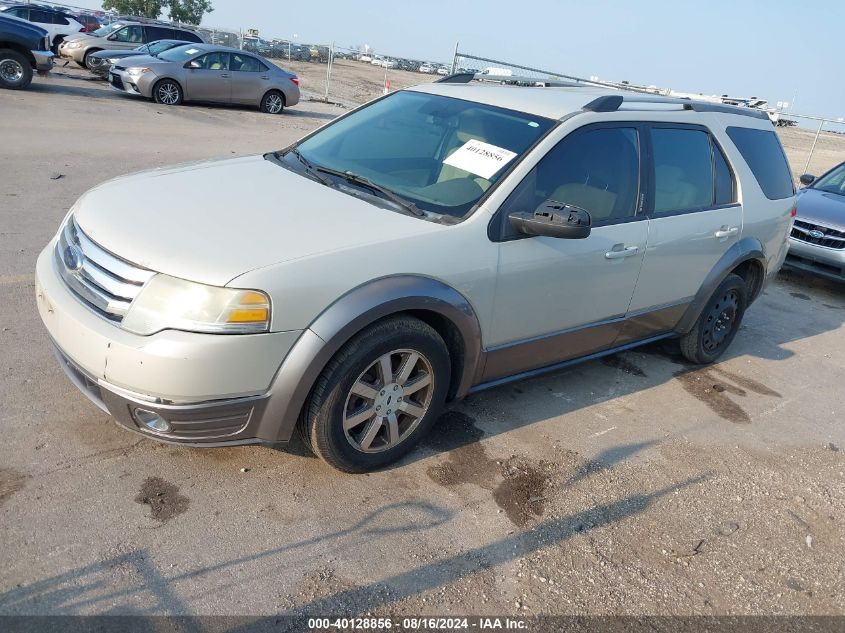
[90,588]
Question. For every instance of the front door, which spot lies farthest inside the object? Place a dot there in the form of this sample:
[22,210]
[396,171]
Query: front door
[250,79]
[211,81]
[562,298]
[694,220]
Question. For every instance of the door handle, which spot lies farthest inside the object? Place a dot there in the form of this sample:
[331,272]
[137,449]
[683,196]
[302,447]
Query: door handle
[625,251]
[224,76]
[265,77]
[726,231]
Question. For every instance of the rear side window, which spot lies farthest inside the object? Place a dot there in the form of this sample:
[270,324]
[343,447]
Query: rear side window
[188,36]
[762,150]
[41,17]
[725,190]
[683,170]
[158,33]
[58,18]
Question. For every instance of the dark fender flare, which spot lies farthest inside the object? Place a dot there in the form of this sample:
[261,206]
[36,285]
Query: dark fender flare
[746,249]
[347,316]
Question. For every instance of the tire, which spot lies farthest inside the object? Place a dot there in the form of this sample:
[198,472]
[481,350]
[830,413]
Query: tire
[719,322]
[383,419]
[15,70]
[56,42]
[273,102]
[87,56]
[168,92]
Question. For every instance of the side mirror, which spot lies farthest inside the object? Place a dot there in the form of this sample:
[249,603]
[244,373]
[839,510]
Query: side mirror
[553,219]
[193,64]
[807,179]
[112,37]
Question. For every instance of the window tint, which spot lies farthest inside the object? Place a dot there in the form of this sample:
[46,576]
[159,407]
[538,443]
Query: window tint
[762,150]
[19,12]
[214,61]
[58,18]
[597,170]
[683,170]
[39,16]
[247,63]
[158,33]
[187,36]
[725,190]
[132,34]
[833,181]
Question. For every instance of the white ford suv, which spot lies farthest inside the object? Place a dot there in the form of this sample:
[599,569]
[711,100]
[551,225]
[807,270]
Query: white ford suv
[437,241]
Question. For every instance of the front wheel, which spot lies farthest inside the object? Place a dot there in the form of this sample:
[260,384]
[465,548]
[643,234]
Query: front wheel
[273,102]
[167,92]
[719,322]
[378,395]
[15,70]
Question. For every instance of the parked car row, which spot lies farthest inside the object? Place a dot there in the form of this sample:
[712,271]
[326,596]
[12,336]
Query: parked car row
[59,24]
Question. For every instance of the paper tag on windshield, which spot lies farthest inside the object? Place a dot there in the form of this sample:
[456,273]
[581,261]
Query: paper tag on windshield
[480,158]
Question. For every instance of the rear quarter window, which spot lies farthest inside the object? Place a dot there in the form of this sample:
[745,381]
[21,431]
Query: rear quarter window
[763,152]
[188,36]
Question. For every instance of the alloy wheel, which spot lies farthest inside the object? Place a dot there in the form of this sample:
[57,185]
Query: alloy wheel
[720,321]
[11,70]
[168,93]
[388,401]
[274,104]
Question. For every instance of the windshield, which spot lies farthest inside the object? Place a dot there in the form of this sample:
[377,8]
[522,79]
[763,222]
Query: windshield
[107,30]
[439,153]
[833,181]
[180,53]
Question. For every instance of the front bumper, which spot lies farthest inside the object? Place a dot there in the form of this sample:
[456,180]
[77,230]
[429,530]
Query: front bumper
[819,260]
[74,54]
[213,389]
[122,81]
[43,60]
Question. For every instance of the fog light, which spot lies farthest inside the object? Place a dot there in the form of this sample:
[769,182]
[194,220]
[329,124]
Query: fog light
[151,420]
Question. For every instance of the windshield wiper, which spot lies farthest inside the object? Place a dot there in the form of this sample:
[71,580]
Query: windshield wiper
[310,169]
[355,179]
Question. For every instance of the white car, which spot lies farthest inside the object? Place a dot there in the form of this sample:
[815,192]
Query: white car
[58,24]
[438,241]
[427,69]
[376,61]
[365,58]
[389,63]
[443,70]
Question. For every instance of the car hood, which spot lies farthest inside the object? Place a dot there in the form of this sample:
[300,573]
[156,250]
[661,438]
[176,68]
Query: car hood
[215,220]
[117,53]
[146,60]
[821,207]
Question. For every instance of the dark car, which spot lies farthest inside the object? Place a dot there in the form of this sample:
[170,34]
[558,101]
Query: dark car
[24,48]
[90,22]
[99,63]
[817,240]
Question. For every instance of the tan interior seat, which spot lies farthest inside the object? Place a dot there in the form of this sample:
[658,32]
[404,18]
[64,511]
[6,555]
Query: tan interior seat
[599,202]
[672,192]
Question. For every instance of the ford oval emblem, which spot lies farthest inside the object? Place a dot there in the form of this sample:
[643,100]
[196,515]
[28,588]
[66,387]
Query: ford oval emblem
[73,258]
[816,234]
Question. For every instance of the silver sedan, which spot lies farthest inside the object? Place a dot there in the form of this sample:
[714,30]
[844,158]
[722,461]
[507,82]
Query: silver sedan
[203,72]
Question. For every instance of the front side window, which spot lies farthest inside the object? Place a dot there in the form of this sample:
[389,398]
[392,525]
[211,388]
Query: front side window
[104,31]
[439,153]
[132,34]
[833,181]
[18,12]
[683,170]
[763,152]
[214,61]
[596,169]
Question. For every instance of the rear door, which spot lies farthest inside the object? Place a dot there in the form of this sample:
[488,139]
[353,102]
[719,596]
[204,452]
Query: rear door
[154,33]
[250,78]
[212,80]
[694,218]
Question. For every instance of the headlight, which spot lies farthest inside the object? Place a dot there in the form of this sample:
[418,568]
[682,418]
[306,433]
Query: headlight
[72,45]
[168,303]
[137,72]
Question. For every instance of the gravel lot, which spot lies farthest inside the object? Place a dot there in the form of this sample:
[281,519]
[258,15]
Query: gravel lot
[632,485]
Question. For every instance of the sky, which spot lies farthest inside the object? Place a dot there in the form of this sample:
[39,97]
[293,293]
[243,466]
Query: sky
[777,50]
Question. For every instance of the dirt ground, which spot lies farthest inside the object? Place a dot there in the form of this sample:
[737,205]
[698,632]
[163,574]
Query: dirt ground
[632,485]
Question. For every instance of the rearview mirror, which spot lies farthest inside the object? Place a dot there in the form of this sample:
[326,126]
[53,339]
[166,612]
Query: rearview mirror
[193,64]
[553,219]
[807,179]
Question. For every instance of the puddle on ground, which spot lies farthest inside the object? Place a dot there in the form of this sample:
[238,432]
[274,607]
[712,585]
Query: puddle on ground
[163,498]
[619,362]
[708,385]
[10,482]
[517,484]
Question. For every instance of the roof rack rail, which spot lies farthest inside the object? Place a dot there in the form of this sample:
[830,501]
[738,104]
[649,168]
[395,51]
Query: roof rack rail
[612,103]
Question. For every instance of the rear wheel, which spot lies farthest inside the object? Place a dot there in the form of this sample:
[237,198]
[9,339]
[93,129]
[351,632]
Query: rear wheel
[167,92]
[15,70]
[273,102]
[378,396]
[719,322]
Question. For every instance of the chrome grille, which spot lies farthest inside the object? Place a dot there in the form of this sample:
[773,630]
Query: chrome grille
[101,280]
[809,232]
